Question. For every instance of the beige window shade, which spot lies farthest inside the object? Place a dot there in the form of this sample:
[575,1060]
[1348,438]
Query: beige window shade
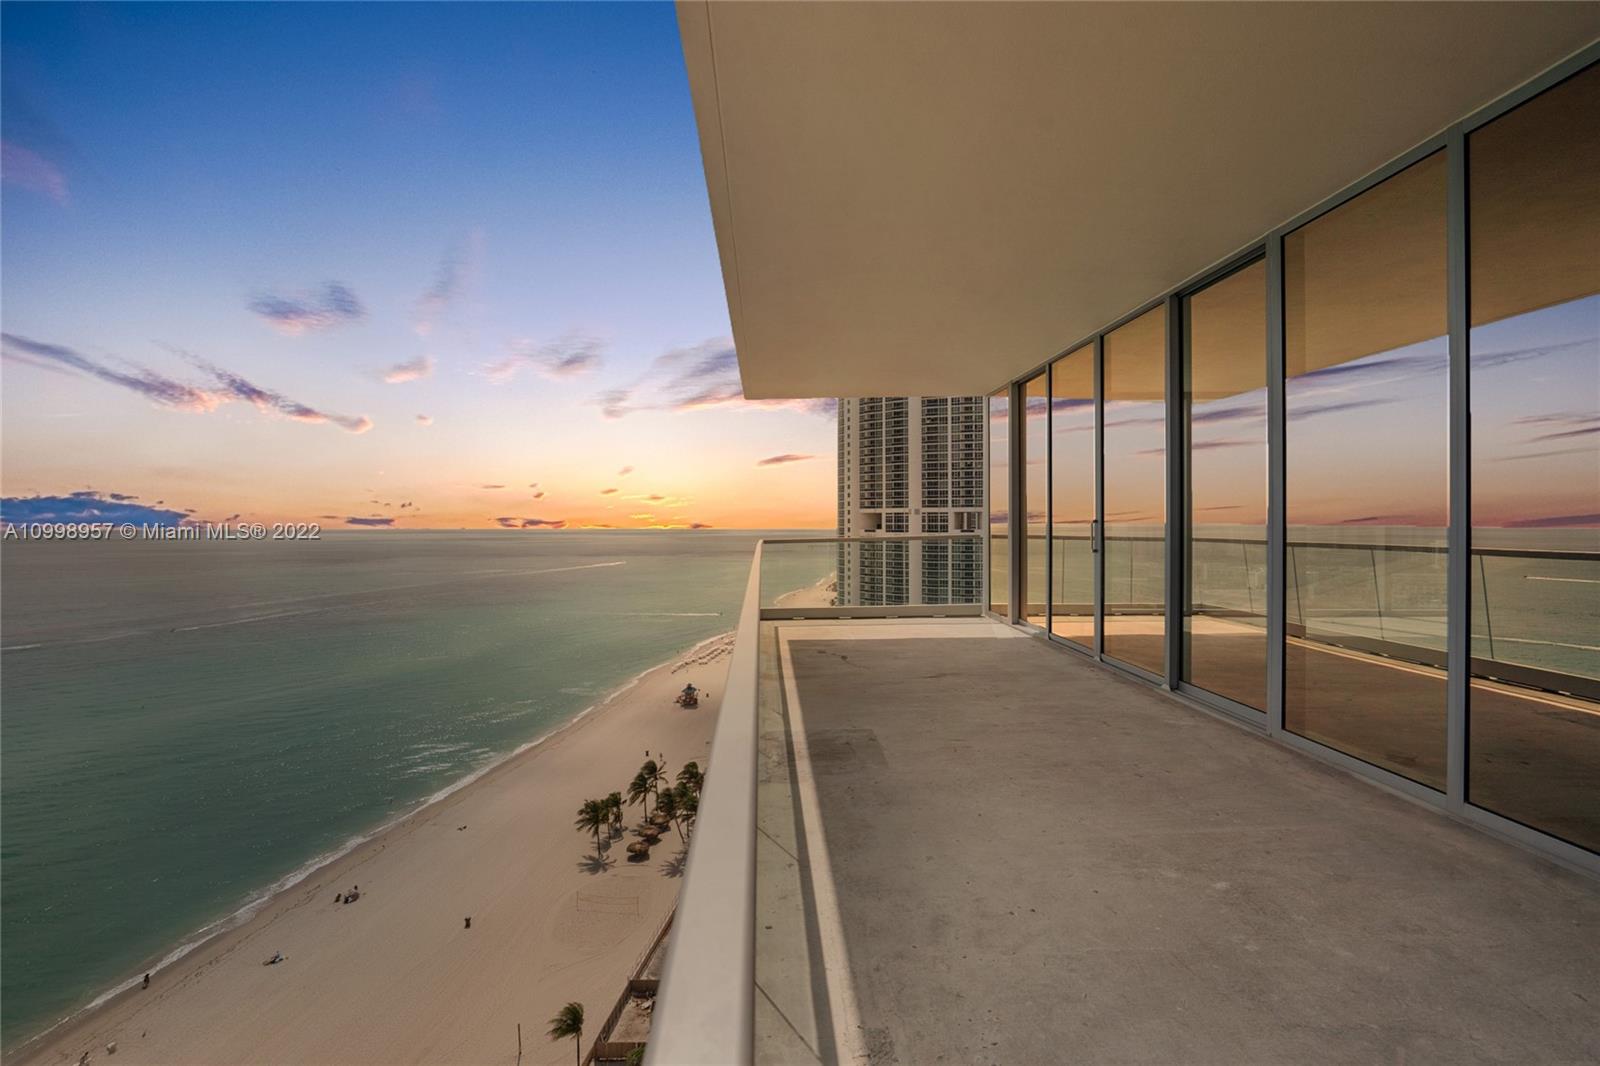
[1368,276]
[1228,336]
[1072,376]
[1136,358]
[1534,199]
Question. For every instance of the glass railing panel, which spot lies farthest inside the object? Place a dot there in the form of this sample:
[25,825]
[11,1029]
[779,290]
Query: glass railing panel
[1539,610]
[1225,624]
[802,573]
[1072,584]
[891,570]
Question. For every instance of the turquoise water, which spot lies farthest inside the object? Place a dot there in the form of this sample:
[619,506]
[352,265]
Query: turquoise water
[187,724]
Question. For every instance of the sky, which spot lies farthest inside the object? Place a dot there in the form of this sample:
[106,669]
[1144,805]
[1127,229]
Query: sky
[420,266]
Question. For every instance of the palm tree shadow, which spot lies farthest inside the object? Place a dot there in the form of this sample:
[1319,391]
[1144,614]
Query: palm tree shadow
[597,863]
[674,866]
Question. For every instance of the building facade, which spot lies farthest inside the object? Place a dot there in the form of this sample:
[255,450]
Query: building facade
[909,465]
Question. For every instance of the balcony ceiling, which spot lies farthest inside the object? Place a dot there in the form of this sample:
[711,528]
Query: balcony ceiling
[932,198]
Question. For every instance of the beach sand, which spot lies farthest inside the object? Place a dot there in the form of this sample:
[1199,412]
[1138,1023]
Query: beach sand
[820,594]
[395,977]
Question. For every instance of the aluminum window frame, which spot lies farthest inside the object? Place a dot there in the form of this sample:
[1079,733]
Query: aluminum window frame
[1453,142]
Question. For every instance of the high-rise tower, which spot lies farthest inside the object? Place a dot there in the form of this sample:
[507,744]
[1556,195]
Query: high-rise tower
[910,464]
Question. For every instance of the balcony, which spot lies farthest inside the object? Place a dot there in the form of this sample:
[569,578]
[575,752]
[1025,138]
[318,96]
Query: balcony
[929,836]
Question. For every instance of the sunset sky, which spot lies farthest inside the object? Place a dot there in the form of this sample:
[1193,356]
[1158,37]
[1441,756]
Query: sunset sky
[446,266]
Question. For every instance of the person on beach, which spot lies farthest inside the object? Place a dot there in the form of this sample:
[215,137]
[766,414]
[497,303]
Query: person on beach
[146,981]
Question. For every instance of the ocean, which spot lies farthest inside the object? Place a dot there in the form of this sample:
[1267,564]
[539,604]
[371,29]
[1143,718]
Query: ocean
[190,726]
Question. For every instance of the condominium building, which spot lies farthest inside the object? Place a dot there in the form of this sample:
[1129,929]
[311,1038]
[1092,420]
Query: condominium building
[910,465]
[1277,736]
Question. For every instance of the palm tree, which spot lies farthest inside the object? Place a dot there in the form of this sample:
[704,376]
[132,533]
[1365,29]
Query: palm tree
[646,783]
[613,804]
[691,776]
[593,817]
[569,1022]
[688,806]
[656,775]
[667,804]
[638,788]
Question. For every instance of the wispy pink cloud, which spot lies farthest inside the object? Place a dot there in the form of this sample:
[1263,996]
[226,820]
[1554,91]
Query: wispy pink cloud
[688,379]
[786,457]
[28,169]
[224,387]
[457,268]
[331,305]
[531,523]
[570,356]
[410,370]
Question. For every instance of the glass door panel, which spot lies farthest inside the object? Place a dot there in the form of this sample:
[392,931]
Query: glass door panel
[1072,514]
[1032,506]
[1225,409]
[1134,434]
[999,501]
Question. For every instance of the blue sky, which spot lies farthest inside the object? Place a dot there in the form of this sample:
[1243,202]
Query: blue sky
[329,219]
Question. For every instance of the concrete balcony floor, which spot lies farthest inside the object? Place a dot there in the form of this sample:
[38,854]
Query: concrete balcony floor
[975,848]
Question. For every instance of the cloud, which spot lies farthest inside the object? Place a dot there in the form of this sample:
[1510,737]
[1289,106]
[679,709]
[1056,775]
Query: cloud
[332,305]
[87,506]
[1369,518]
[424,420]
[411,370]
[1297,412]
[532,523]
[224,387]
[1542,455]
[625,471]
[686,379]
[1556,521]
[237,388]
[607,492]
[155,387]
[28,169]
[786,457]
[539,495]
[355,521]
[700,525]
[642,517]
[1562,425]
[456,269]
[570,356]
[491,486]
[1247,412]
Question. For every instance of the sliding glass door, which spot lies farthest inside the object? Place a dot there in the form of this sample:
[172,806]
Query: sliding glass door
[1134,443]
[1225,551]
[1035,485]
[1073,551]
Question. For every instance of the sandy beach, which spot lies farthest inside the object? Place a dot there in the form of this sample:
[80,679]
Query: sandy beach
[821,594]
[396,977]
